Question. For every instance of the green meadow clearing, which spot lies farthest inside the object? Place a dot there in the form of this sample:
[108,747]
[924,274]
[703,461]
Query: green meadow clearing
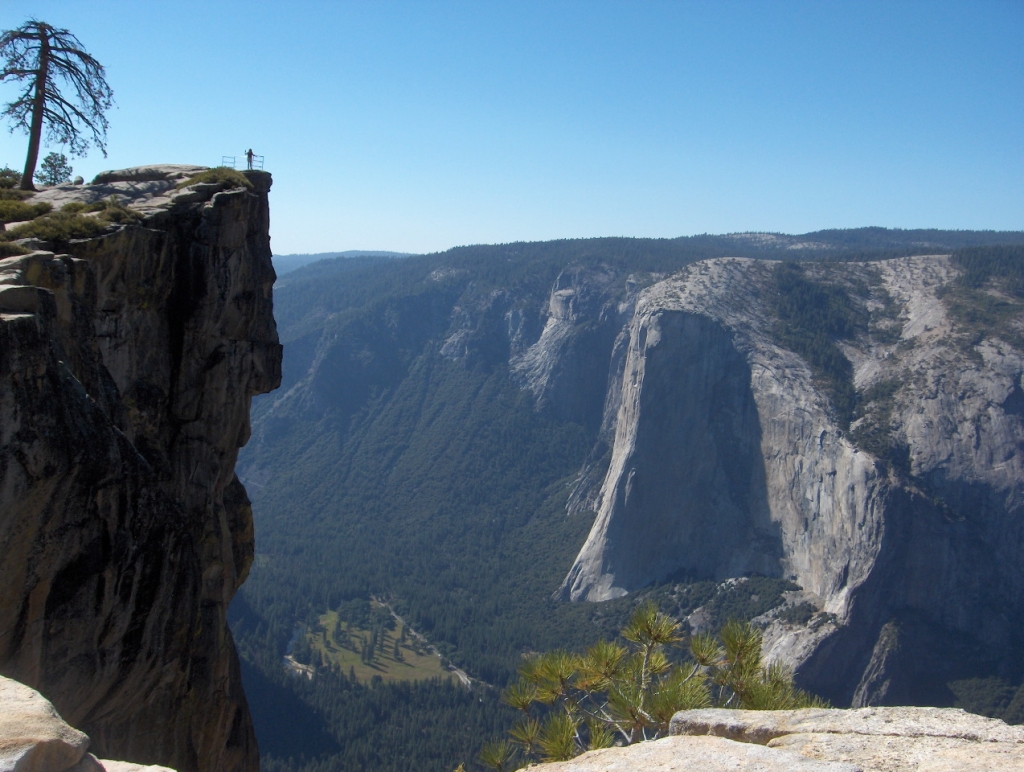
[352,649]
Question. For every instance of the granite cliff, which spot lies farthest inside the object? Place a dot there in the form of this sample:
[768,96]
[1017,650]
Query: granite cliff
[729,457]
[127,365]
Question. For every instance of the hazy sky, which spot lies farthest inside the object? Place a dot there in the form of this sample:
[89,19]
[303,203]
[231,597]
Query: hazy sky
[417,126]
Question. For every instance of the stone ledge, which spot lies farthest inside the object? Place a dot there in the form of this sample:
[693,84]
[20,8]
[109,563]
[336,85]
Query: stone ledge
[148,190]
[763,726]
[899,739]
[889,739]
[690,754]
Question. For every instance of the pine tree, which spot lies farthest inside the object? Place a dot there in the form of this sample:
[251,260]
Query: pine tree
[54,170]
[44,58]
[631,692]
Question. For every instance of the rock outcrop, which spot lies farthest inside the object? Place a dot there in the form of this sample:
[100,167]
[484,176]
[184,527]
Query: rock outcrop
[34,738]
[728,459]
[127,366]
[865,740]
[32,735]
[891,739]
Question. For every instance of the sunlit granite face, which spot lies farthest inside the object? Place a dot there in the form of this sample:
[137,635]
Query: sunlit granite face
[728,459]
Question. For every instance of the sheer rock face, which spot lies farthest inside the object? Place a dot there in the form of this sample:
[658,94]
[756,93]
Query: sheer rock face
[566,366]
[728,459]
[126,372]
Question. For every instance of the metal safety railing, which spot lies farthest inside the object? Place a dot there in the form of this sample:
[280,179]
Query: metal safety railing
[233,162]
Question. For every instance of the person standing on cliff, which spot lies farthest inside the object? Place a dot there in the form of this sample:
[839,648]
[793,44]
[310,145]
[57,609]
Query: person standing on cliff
[248,157]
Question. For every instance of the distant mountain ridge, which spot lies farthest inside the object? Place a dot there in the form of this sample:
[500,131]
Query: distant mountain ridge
[287,263]
[828,240]
[879,238]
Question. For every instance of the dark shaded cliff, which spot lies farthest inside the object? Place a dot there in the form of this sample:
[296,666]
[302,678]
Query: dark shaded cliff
[127,365]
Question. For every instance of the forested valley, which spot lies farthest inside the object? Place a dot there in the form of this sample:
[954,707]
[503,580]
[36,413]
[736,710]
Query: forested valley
[404,483]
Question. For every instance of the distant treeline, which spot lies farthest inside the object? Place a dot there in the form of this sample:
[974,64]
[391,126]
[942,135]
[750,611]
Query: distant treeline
[287,263]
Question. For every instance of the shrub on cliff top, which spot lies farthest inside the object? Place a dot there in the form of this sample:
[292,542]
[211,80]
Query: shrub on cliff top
[80,207]
[16,211]
[58,227]
[112,209]
[71,222]
[219,175]
[9,249]
[9,178]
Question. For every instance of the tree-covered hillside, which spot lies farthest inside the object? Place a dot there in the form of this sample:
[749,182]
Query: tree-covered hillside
[403,460]
[287,263]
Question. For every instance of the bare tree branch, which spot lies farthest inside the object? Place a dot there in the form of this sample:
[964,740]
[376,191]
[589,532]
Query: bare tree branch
[54,63]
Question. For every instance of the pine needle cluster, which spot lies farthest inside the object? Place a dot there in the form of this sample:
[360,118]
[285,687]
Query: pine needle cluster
[619,693]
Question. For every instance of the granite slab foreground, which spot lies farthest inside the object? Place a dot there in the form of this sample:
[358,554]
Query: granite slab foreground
[897,739]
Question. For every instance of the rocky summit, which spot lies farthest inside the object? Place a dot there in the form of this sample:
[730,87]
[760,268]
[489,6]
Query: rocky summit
[128,361]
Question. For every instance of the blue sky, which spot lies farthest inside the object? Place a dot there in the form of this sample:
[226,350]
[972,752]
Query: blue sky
[417,126]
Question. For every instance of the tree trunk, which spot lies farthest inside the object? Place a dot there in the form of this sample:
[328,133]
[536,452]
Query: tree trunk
[38,103]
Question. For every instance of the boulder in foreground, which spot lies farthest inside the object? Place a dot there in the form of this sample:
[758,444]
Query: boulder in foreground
[34,738]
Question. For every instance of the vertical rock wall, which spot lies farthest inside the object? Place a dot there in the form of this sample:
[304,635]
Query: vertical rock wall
[702,506]
[127,367]
[728,460]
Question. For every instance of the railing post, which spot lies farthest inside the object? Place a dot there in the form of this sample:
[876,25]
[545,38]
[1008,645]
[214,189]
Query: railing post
[231,161]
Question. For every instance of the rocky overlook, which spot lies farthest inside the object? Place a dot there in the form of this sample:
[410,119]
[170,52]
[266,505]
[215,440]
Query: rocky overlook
[128,361]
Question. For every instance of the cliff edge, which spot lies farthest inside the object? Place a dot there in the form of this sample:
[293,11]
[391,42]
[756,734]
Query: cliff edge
[127,365]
